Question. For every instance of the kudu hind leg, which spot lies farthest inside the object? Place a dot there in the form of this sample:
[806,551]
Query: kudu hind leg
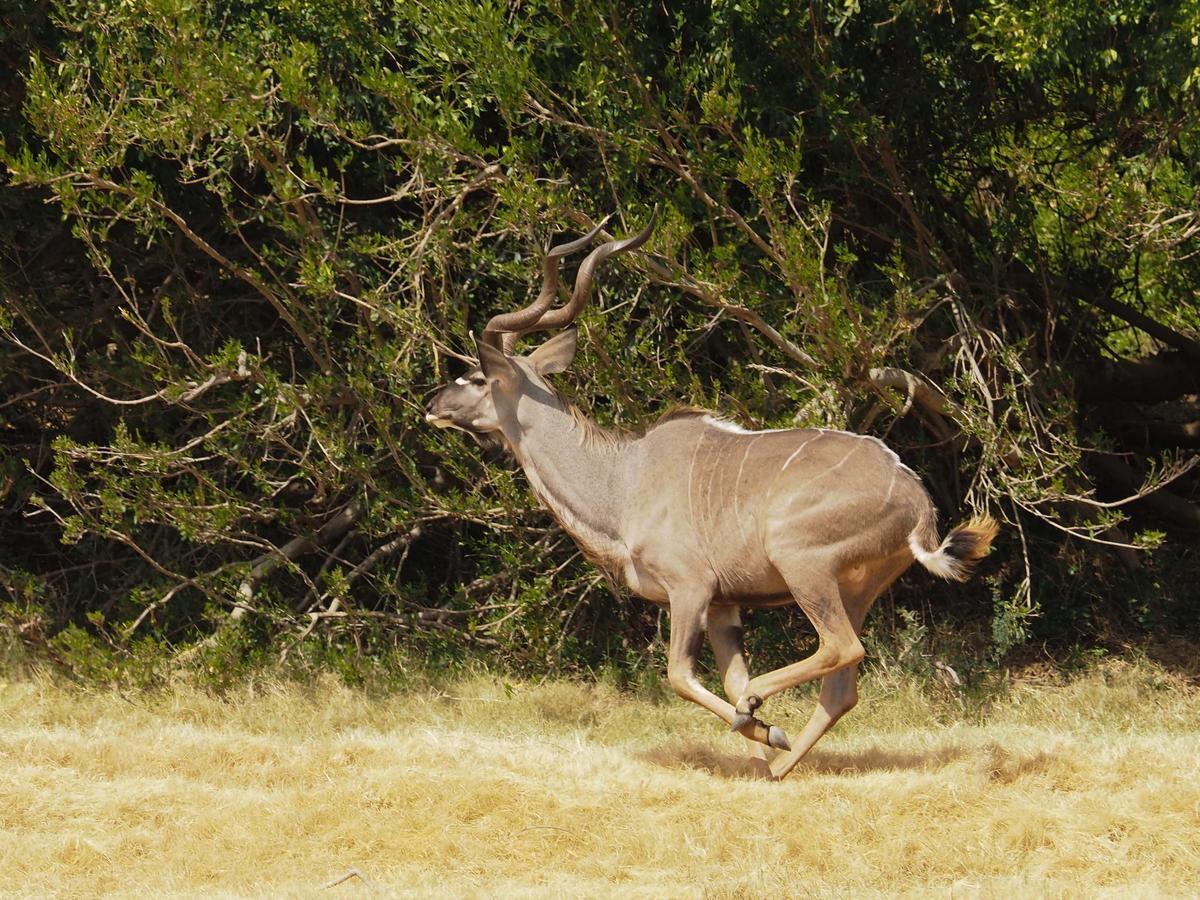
[839,691]
[688,613]
[838,648]
[729,650]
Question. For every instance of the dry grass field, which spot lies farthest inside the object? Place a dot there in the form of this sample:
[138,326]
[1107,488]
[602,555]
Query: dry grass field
[1085,788]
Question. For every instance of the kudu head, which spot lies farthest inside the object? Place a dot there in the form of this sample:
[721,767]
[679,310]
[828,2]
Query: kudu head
[488,397]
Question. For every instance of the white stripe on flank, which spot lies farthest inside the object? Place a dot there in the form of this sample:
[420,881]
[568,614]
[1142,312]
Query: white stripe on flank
[737,488]
[796,452]
[840,462]
[838,465]
[821,475]
[707,500]
[691,496]
[870,437]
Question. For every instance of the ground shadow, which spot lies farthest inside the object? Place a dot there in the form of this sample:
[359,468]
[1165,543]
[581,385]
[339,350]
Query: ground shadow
[879,759]
[697,755]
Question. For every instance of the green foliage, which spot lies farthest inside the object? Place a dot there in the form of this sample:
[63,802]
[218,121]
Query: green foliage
[243,245]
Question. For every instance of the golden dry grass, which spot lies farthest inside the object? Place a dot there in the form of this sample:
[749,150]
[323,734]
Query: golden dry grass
[1090,788]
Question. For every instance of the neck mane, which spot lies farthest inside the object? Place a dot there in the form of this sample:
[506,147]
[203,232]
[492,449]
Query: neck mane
[592,434]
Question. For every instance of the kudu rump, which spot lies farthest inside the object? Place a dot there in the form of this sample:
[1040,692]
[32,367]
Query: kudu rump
[706,518]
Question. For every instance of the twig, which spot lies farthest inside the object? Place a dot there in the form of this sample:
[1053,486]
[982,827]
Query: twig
[352,873]
[1168,336]
[151,607]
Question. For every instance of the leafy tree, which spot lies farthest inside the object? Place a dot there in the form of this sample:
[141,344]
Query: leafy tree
[243,243]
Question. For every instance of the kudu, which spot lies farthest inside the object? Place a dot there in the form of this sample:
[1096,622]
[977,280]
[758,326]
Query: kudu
[705,518]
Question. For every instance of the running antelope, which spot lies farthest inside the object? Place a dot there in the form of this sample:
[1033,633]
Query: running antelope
[705,518]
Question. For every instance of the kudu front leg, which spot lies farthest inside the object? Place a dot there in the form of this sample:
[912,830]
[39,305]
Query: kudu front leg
[688,610]
[729,650]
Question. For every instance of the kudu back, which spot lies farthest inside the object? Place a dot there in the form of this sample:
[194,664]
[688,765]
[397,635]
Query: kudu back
[706,518]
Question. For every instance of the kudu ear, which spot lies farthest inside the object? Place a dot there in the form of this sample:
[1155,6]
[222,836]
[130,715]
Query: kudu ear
[494,363]
[557,354]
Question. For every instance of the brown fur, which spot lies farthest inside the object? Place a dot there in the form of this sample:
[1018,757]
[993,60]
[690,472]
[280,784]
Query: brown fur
[706,517]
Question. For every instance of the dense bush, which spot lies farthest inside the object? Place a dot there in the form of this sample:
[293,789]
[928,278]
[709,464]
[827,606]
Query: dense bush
[244,241]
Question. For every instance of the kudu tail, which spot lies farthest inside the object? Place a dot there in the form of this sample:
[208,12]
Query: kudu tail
[955,557]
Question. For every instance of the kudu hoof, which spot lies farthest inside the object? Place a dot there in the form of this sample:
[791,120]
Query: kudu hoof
[745,714]
[777,739]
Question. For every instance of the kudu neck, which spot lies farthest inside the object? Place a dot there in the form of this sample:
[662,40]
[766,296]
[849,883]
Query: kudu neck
[573,465]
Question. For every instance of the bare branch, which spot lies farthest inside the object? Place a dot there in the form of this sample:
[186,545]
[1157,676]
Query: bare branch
[333,529]
[1168,336]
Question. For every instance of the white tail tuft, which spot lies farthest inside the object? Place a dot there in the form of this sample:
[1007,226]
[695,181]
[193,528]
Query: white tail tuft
[956,556]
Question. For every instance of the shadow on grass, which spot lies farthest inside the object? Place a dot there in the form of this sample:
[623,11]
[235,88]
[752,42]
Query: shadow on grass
[697,755]
[876,759]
